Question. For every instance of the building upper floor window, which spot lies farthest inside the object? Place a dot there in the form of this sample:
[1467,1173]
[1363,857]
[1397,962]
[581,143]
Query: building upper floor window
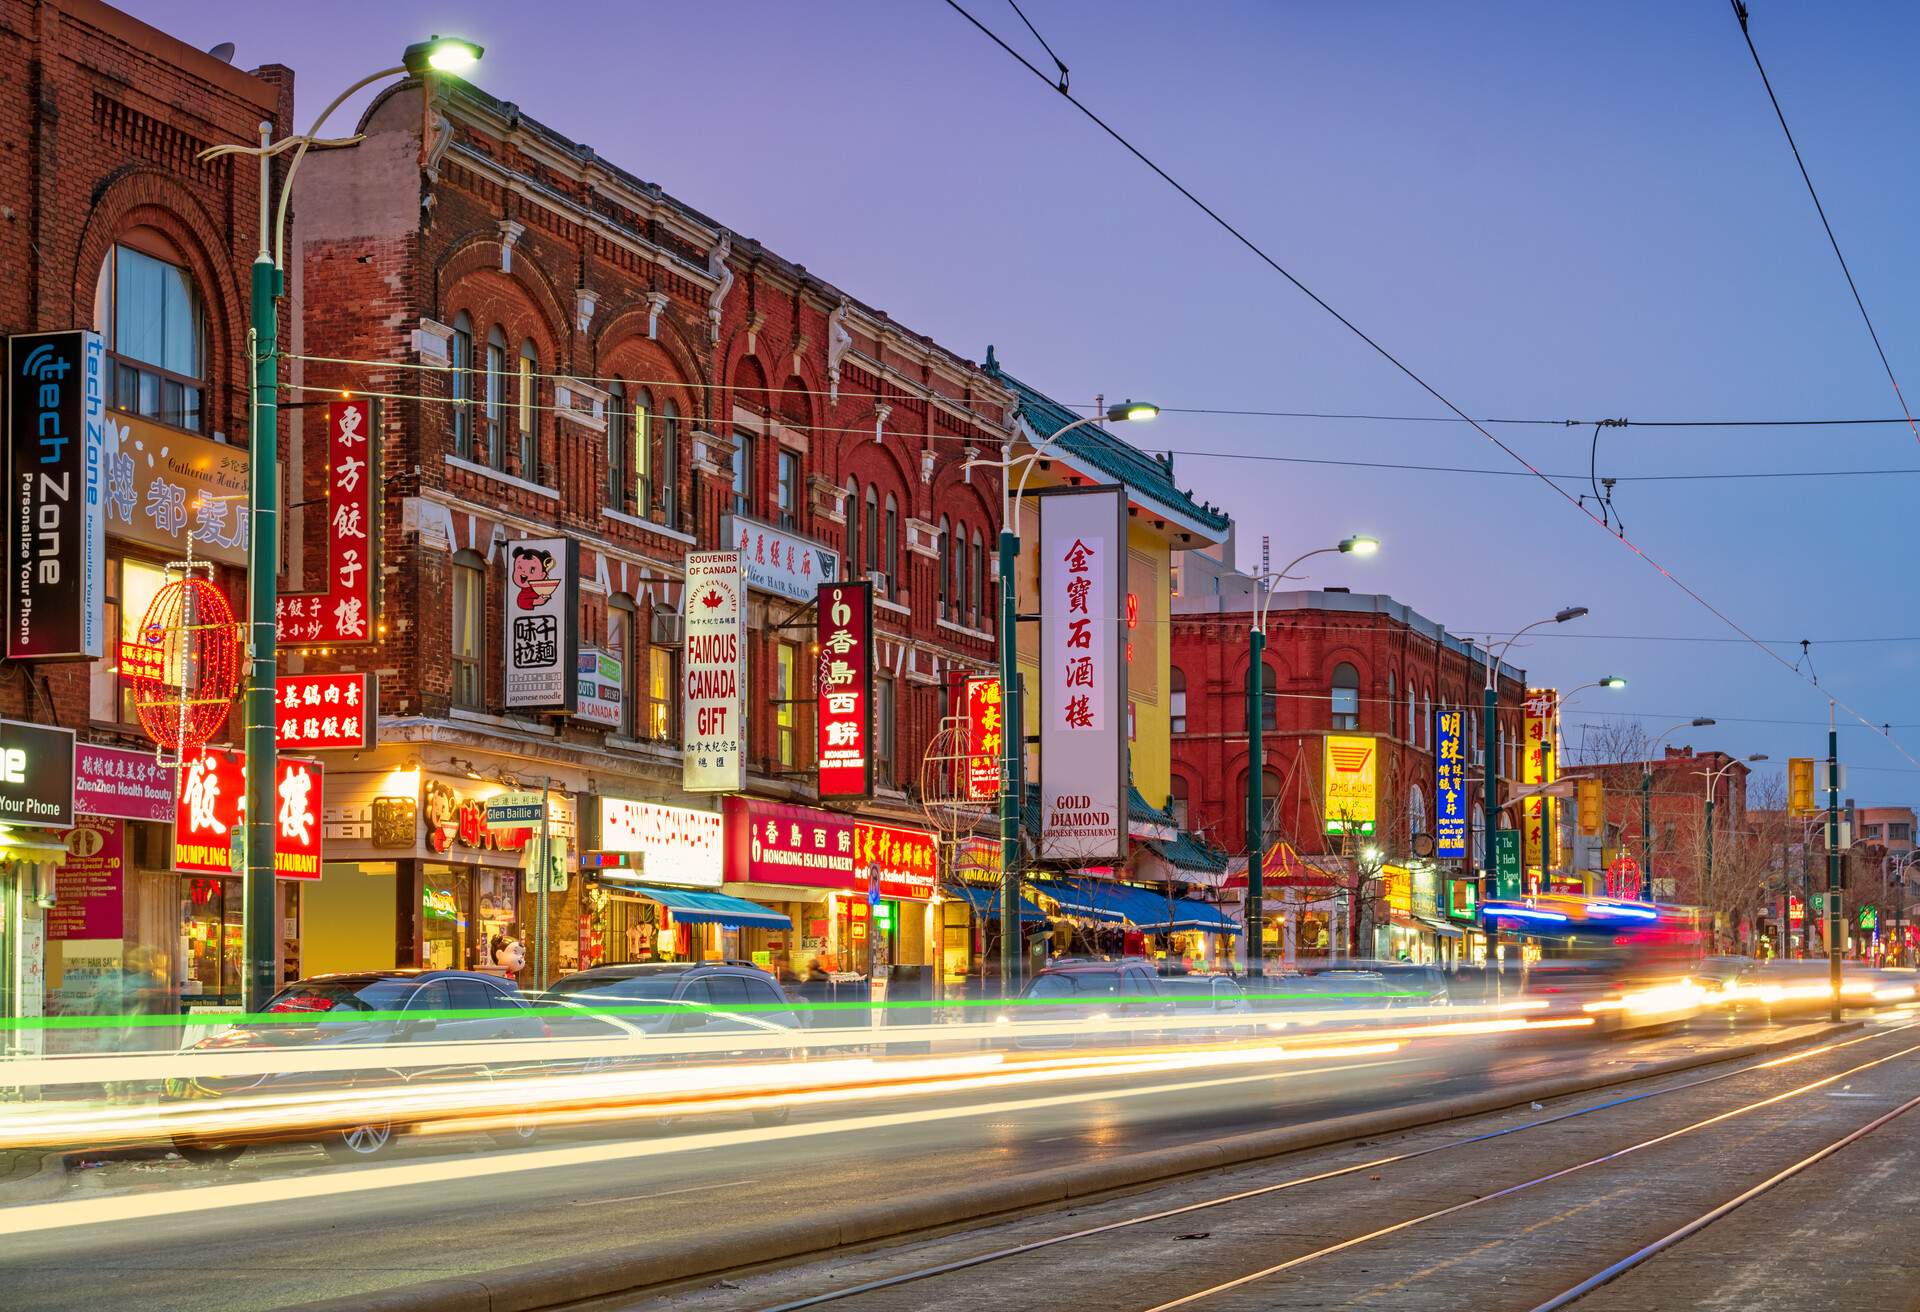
[977,603]
[619,444]
[944,569]
[786,698]
[883,730]
[850,512]
[153,324]
[1346,697]
[664,443]
[469,630]
[875,561]
[460,385]
[529,430]
[789,490]
[496,400]
[1269,698]
[890,547]
[1416,812]
[1900,832]
[1179,803]
[1177,700]
[743,473]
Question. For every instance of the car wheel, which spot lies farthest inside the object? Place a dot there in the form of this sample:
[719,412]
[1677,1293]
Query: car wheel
[522,1134]
[359,1143]
[208,1154]
[772,1115]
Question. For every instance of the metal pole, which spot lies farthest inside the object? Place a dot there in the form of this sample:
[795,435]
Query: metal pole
[1546,814]
[263,562]
[1490,802]
[1833,865]
[1256,803]
[546,879]
[1012,743]
[1706,889]
[1646,834]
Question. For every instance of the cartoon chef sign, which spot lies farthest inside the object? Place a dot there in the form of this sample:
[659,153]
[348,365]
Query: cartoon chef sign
[542,637]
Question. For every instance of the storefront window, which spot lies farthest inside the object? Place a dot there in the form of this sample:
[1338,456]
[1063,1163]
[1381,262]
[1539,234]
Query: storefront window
[445,927]
[131,587]
[214,940]
[660,687]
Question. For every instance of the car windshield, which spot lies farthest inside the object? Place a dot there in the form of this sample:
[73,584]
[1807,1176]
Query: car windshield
[1100,983]
[615,988]
[343,995]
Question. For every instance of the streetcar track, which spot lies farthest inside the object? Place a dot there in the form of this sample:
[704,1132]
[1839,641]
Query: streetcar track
[1611,1273]
[1016,1250]
[1329,1250]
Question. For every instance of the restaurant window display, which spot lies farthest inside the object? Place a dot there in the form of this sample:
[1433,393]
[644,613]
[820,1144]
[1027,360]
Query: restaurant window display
[618,928]
[213,940]
[461,912]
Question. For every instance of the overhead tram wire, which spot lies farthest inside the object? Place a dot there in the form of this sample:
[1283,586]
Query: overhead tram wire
[1740,14]
[1419,381]
[1390,466]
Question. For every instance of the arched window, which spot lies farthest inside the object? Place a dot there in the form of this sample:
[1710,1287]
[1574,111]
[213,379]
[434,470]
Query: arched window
[940,567]
[1426,721]
[1393,707]
[890,546]
[462,385]
[617,447]
[151,320]
[1479,836]
[529,431]
[959,566]
[1413,714]
[1416,812]
[851,507]
[663,441]
[1177,699]
[496,402]
[978,606]
[1179,801]
[1269,698]
[1346,696]
[873,557]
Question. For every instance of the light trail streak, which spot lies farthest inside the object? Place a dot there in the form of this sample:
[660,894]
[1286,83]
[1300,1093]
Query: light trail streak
[42,1217]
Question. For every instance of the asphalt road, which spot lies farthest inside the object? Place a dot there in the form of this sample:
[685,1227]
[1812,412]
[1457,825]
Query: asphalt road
[625,1184]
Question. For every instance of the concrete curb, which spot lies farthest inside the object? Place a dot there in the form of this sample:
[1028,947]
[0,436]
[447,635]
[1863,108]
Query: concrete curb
[563,1282]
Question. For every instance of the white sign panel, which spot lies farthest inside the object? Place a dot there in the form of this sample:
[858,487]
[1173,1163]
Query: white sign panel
[682,846]
[543,633]
[778,560]
[1083,717]
[714,707]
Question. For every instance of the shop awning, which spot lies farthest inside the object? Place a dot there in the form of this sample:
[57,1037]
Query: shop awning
[1116,904]
[700,908]
[1189,913]
[985,901]
[1440,927]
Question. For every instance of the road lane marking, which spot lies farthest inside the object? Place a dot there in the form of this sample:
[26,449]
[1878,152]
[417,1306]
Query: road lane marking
[664,1193]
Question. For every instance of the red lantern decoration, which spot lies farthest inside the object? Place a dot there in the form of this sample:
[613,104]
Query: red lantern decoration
[185,665]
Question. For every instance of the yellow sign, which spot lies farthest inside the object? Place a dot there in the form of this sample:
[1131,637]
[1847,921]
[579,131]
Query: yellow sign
[1801,795]
[1399,881]
[1538,767]
[1352,763]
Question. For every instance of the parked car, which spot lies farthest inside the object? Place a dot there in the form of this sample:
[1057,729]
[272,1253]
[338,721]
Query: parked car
[683,998]
[353,1010]
[1092,990]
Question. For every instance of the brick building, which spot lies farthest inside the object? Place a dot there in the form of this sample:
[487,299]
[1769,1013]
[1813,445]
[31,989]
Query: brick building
[562,349]
[110,221]
[1337,662]
[1677,817]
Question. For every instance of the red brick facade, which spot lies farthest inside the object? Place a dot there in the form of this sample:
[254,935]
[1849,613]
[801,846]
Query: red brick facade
[1404,669]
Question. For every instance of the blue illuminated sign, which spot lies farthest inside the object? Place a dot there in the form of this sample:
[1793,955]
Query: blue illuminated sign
[1449,785]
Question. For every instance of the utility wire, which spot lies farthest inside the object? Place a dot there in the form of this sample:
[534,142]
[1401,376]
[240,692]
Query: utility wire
[1740,13]
[1419,381]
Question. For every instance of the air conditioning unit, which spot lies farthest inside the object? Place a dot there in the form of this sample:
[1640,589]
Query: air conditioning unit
[878,577]
[669,629]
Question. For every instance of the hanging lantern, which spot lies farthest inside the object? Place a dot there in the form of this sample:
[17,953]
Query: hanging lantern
[184,666]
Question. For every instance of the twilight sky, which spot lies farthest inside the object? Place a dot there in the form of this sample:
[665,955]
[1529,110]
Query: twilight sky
[1547,211]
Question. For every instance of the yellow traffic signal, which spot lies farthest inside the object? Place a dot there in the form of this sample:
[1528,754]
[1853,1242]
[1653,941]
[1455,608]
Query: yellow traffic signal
[1591,795]
[1800,786]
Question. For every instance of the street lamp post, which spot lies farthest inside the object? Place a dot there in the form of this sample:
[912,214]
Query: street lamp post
[1490,774]
[1713,778]
[1355,545]
[1646,803]
[439,54]
[1013,738]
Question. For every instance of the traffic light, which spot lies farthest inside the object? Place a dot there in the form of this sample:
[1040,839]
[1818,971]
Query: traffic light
[1800,786]
[1591,797]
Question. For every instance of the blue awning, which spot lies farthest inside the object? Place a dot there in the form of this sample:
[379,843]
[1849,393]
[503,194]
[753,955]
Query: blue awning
[698,908]
[1116,904]
[985,900]
[1191,914]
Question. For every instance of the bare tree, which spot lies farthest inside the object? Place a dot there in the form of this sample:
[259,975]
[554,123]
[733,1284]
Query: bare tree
[1610,741]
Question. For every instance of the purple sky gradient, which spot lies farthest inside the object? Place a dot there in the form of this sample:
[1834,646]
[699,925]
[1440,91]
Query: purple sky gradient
[1547,211]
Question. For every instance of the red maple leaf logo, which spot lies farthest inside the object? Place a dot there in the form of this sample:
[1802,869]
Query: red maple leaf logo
[712,599]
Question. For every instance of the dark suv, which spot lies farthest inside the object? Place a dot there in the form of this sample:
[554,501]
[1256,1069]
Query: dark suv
[685,998]
[358,1010]
[1092,990]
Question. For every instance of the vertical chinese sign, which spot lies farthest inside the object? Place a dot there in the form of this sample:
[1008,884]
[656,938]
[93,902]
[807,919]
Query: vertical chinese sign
[714,709]
[211,809]
[1449,785]
[845,697]
[986,738]
[1083,719]
[543,623]
[345,612]
[57,521]
[1536,769]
